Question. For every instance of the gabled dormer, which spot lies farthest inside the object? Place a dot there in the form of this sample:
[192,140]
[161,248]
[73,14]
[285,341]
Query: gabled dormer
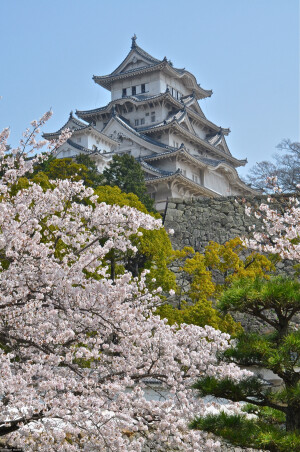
[136,58]
[141,74]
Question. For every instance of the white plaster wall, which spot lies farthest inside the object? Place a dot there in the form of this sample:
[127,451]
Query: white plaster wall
[65,151]
[158,82]
[199,131]
[100,143]
[82,139]
[89,140]
[165,138]
[101,164]
[217,182]
[153,79]
[166,165]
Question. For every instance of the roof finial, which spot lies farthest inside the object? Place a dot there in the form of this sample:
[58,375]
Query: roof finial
[71,114]
[133,45]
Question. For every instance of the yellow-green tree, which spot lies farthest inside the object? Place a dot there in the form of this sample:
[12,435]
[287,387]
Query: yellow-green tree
[154,247]
[193,302]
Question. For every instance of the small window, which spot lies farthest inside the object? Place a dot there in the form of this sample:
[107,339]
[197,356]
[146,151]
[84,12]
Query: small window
[142,121]
[143,88]
[124,92]
[130,109]
[136,122]
[133,90]
[147,114]
[152,118]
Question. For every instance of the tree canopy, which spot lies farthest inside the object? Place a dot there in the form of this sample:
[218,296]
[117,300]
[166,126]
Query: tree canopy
[78,348]
[193,301]
[285,167]
[125,172]
[271,420]
[80,168]
[276,304]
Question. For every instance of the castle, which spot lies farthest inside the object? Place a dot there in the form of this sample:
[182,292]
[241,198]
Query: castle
[155,116]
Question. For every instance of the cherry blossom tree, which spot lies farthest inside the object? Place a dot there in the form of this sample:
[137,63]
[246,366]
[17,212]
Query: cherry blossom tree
[281,230]
[77,349]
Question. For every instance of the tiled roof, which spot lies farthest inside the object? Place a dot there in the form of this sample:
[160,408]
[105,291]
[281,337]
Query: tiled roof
[174,120]
[145,54]
[136,98]
[215,139]
[72,123]
[156,170]
[143,137]
[86,150]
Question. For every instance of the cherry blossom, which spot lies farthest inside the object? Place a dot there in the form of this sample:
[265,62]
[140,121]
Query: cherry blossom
[281,231]
[78,350]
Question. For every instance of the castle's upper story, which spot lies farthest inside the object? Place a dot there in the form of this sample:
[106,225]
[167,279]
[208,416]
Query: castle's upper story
[155,115]
[140,73]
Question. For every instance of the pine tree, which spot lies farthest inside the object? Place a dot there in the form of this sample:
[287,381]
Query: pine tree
[275,303]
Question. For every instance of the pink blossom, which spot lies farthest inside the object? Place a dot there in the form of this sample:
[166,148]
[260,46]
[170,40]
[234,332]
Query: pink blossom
[83,348]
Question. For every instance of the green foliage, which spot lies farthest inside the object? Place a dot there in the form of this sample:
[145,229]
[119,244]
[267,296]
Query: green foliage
[68,169]
[259,432]
[125,172]
[280,295]
[80,168]
[154,247]
[274,302]
[114,195]
[229,389]
[194,300]
[201,313]
[265,413]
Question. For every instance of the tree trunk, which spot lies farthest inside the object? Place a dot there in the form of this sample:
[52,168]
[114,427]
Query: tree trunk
[293,418]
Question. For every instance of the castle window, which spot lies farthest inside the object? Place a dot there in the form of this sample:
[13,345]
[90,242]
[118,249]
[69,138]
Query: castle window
[142,121]
[136,122]
[124,92]
[133,90]
[152,118]
[147,114]
[195,178]
[143,86]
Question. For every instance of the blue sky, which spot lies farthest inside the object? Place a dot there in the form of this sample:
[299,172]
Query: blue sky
[246,51]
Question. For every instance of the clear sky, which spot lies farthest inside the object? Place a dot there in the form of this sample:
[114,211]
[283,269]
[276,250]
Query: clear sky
[246,51]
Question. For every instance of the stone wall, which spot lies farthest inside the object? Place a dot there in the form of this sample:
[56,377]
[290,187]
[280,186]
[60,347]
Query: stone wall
[198,221]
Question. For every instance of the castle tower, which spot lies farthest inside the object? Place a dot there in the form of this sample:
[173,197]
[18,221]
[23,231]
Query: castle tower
[154,114]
